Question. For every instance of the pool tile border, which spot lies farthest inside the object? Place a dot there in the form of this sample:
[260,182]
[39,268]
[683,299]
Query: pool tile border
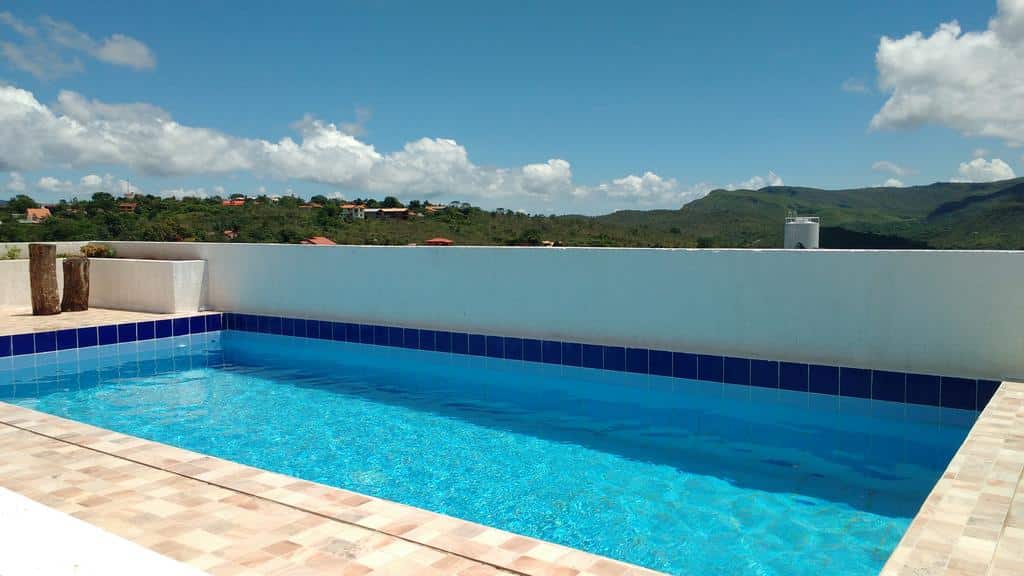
[122,333]
[849,381]
[493,551]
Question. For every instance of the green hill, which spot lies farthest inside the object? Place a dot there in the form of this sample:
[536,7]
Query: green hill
[942,215]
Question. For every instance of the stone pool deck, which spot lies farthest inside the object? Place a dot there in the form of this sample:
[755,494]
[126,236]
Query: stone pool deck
[973,521]
[229,519]
[16,320]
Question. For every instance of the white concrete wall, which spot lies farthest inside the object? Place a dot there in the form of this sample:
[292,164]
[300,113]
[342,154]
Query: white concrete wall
[951,313]
[14,283]
[146,285]
[124,284]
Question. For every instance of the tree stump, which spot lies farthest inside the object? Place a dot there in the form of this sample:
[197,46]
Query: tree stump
[42,270]
[76,284]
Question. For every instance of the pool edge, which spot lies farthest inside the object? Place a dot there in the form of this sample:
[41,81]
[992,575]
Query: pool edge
[973,520]
[500,550]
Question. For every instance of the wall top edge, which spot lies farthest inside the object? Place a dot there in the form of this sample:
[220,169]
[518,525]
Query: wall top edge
[561,248]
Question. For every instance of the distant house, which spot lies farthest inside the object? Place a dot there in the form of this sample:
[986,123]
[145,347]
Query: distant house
[311,205]
[432,208]
[233,202]
[230,234]
[318,241]
[36,215]
[389,213]
[439,242]
[127,206]
[353,211]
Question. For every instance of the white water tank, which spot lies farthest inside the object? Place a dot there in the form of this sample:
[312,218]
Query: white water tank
[801,232]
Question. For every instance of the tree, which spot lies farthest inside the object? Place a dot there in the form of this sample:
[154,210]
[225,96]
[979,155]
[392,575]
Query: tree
[21,202]
[391,202]
[319,199]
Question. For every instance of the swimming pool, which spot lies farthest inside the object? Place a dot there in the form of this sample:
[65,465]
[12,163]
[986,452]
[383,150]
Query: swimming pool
[679,475]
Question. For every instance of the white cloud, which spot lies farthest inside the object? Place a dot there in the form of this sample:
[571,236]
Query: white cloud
[971,82]
[51,184]
[892,168]
[15,183]
[979,153]
[758,182]
[125,51]
[51,48]
[855,85]
[182,192]
[79,133]
[982,170]
[893,183]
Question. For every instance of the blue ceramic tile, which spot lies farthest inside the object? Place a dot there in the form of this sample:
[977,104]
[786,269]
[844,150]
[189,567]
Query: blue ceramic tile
[350,333]
[889,386]
[46,342]
[764,373]
[312,328]
[162,327]
[298,326]
[824,379]
[5,346]
[380,335]
[126,332]
[365,334]
[615,358]
[661,362]
[274,323]
[495,346]
[229,320]
[636,360]
[180,328]
[427,340]
[736,370]
[411,338]
[67,339]
[855,382]
[460,343]
[514,348]
[572,354]
[477,344]
[197,325]
[593,356]
[709,368]
[443,341]
[215,323]
[923,389]
[396,336]
[144,330]
[23,344]
[533,350]
[552,352]
[107,335]
[956,393]
[287,326]
[986,389]
[685,365]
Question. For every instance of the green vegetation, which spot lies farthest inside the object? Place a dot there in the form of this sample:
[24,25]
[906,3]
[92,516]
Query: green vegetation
[942,216]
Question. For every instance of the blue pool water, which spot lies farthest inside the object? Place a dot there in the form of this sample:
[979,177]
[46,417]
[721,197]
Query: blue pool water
[682,476]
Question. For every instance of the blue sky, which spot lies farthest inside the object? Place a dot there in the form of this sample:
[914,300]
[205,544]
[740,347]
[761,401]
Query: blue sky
[541,106]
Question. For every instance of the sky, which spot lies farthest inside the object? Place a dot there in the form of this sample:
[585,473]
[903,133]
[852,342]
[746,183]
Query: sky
[546,107]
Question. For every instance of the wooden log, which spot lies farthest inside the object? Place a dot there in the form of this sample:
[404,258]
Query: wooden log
[42,270]
[76,284]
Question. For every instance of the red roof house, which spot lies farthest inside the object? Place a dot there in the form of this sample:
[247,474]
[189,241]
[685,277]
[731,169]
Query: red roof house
[439,242]
[319,241]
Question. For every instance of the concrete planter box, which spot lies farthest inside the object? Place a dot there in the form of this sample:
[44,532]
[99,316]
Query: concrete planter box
[164,286]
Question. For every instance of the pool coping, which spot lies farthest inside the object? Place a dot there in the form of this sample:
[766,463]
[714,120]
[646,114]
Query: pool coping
[491,549]
[972,523]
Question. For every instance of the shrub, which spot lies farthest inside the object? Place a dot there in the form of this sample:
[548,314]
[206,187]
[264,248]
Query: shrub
[13,253]
[97,251]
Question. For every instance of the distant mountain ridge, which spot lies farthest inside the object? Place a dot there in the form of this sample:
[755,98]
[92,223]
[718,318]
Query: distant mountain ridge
[941,215]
